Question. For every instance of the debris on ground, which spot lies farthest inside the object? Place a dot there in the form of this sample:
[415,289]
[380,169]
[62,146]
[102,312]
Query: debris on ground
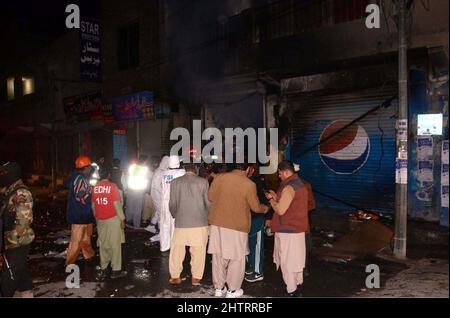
[56,254]
[343,261]
[59,289]
[141,273]
[423,278]
[62,240]
[40,280]
[362,215]
[367,238]
[59,234]
[48,264]
[139,261]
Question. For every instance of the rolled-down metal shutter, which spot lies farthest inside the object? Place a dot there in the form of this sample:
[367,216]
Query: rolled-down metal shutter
[356,167]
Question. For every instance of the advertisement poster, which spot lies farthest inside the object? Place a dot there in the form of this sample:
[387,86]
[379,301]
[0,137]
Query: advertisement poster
[444,174]
[84,107]
[402,139]
[401,169]
[90,55]
[424,148]
[133,107]
[425,171]
[402,129]
[445,152]
[444,196]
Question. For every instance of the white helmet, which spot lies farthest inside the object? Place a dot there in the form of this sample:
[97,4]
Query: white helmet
[174,162]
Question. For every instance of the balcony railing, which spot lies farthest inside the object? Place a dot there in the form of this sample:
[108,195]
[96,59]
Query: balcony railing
[287,18]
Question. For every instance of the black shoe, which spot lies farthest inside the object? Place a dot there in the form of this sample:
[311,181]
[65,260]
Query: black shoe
[296,293]
[118,274]
[252,278]
[248,272]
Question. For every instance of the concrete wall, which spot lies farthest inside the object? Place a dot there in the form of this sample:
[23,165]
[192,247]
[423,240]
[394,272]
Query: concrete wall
[55,69]
[320,49]
[116,14]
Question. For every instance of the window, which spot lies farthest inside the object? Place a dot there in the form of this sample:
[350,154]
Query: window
[128,46]
[10,88]
[27,85]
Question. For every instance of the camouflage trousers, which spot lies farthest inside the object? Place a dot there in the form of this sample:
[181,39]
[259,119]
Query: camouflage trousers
[21,278]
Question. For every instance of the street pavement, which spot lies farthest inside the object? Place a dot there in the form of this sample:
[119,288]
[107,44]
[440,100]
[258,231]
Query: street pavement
[426,275]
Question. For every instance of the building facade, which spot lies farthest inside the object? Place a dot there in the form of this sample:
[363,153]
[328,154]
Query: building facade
[329,83]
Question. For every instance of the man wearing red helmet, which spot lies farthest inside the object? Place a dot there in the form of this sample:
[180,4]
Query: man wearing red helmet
[79,213]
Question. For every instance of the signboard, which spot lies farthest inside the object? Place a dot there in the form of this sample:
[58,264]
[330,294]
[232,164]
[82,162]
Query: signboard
[133,107]
[120,145]
[88,107]
[90,54]
[108,116]
[84,107]
[429,124]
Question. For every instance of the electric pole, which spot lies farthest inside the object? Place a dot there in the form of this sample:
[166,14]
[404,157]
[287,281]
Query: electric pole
[401,189]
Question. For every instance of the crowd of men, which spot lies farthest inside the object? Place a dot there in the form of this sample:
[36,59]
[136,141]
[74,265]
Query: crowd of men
[222,210]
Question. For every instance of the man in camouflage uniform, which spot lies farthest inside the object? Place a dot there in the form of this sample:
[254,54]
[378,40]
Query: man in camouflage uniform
[17,215]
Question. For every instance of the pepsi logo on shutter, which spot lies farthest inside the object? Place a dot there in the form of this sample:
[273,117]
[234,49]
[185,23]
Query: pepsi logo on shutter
[347,151]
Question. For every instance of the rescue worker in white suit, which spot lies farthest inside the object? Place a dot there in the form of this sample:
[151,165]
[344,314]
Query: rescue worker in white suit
[166,220]
[156,194]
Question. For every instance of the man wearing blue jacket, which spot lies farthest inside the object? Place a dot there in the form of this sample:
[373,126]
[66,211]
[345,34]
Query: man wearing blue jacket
[79,213]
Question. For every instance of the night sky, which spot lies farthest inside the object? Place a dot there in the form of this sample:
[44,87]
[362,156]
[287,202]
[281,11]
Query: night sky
[44,18]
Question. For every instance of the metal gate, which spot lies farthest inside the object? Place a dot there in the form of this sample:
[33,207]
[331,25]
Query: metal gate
[350,165]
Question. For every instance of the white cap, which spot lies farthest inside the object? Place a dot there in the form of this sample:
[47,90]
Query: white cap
[174,162]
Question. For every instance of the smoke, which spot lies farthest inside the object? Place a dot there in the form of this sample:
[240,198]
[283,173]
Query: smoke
[192,44]
[198,58]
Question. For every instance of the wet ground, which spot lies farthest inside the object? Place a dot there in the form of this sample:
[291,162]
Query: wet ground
[148,273]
